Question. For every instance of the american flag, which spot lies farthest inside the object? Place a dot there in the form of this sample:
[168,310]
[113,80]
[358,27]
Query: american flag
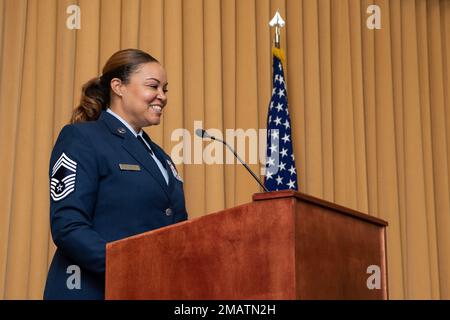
[281,173]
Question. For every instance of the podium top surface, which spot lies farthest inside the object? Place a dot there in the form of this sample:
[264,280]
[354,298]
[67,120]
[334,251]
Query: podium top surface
[320,202]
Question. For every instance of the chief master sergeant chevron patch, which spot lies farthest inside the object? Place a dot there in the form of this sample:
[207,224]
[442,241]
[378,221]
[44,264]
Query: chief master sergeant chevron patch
[63,178]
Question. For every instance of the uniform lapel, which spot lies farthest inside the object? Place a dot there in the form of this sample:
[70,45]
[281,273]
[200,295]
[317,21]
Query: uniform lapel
[134,147]
[137,151]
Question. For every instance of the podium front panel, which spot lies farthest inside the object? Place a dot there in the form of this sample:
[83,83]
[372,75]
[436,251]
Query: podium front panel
[283,245]
[240,253]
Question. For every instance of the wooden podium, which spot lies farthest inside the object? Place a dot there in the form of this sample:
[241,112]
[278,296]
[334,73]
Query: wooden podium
[283,245]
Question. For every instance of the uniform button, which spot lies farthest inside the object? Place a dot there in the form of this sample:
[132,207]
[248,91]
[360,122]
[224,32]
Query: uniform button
[168,212]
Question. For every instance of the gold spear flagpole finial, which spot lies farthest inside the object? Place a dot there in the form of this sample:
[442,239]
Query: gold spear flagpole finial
[277,22]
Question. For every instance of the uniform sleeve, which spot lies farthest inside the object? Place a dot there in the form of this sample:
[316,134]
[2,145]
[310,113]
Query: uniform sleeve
[73,191]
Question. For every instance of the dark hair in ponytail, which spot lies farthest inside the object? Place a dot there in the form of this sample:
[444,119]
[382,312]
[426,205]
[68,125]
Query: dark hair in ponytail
[96,93]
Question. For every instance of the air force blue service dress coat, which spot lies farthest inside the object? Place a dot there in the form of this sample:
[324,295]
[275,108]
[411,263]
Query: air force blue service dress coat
[104,186]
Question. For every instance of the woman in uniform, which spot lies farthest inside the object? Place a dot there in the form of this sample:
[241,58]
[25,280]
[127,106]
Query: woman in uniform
[108,179]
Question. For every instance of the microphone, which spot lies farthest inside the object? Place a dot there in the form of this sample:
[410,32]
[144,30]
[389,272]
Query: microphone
[203,134]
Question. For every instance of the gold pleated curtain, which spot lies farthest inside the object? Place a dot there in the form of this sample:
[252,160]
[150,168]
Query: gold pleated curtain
[370,111]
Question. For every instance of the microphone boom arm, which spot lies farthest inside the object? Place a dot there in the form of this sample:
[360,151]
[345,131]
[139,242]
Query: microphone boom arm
[241,161]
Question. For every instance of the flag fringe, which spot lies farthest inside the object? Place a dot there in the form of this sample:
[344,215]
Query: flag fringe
[279,53]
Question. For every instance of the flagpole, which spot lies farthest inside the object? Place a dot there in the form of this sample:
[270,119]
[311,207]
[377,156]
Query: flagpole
[277,22]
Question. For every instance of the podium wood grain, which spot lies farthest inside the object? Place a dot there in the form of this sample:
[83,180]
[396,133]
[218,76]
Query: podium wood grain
[283,245]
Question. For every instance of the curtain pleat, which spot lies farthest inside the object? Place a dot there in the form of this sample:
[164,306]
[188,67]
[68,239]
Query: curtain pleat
[370,113]
[229,31]
[151,39]
[324,11]
[14,33]
[312,116]
[263,56]
[246,96]
[44,131]
[423,56]
[443,234]
[343,116]
[295,77]
[213,118]
[18,259]
[384,171]
[33,232]
[110,30]
[173,57]
[194,101]
[358,104]
[438,173]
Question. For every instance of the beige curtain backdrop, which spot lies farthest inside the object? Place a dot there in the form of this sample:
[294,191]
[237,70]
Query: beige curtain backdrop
[370,112]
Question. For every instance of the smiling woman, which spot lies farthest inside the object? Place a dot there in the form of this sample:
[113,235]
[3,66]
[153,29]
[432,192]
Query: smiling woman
[108,179]
[141,98]
[126,71]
